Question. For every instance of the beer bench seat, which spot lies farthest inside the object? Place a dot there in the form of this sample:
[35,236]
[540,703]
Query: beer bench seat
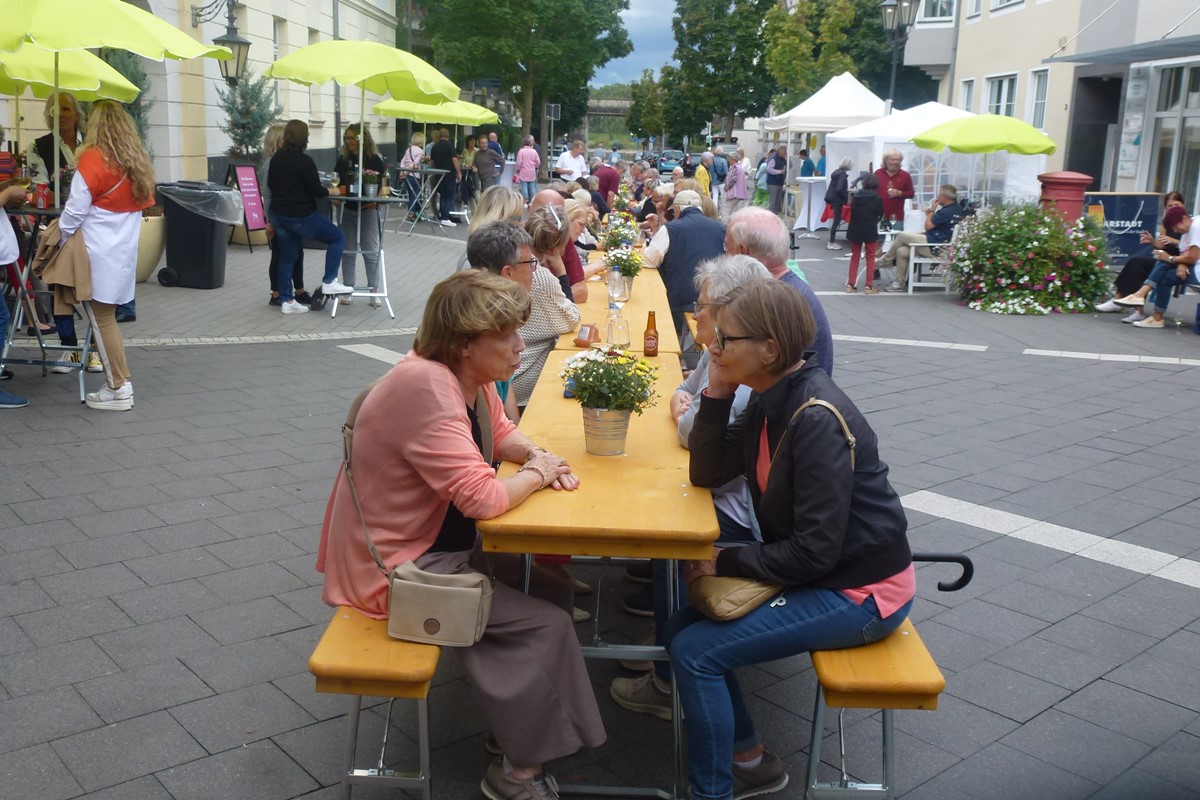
[356,657]
[893,673]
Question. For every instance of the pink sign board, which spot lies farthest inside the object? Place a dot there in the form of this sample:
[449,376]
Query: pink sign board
[247,184]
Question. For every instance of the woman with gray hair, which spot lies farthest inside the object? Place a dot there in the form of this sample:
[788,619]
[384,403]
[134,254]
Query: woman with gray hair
[715,278]
[837,196]
[71,123]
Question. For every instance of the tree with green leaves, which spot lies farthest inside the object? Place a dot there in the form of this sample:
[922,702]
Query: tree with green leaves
[649,101]
[130,65]
[722,72]
[790,45]
[538,47]
[250,108]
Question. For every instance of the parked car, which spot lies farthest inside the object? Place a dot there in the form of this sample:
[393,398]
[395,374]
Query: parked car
[691,161]
[669,160]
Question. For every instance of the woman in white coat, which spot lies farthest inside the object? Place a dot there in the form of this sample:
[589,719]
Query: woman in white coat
[114,181]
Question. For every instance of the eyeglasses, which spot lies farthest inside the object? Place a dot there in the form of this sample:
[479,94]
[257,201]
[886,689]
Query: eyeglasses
[349,138]
[722,339]
[531,263]
[696,306]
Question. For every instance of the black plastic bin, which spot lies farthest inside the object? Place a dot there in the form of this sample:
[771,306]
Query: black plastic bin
[198,218]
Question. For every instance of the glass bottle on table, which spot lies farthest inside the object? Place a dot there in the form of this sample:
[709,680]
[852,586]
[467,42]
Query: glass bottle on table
[650,338]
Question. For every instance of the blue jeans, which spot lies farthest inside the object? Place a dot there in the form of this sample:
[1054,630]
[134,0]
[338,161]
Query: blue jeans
[1164,279]
[447,190]
[414,194]
[705,654]
[290,233]
[528,190]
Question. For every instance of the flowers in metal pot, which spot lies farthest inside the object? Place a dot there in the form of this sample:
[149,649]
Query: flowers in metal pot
[612,379]
[625,260]
[622,232]
[370,176]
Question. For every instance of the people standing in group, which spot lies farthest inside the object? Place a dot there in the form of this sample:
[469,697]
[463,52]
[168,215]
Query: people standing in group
[527,167]
[422,483]
[488,166]
[614,156]
[761,192]
[833,531]
[736,191]
[895,186]
[866,212]
[837,196]
[821,163]
[702,175]
[295,188]
[940,217]
[271,143]
[113,183]
[571,165]
[444,157]
[493,144]
[360,220]
[777,166]
[72,123]
[466,159]
[410,162]
[720,171]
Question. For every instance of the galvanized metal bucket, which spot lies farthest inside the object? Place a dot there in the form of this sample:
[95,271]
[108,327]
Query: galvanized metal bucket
[604,431]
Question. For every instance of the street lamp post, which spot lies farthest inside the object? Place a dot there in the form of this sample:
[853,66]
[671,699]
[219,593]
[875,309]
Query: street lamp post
[233,69]
[898,19]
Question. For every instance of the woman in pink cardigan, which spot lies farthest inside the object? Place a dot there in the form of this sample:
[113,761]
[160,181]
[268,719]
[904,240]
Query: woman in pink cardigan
[422,482]
[528,164]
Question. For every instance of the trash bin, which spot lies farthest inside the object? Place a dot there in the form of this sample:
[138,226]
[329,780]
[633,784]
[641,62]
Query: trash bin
[198,215]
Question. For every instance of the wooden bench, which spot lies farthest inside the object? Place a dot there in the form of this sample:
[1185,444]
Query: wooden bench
[894,673]
[356,657]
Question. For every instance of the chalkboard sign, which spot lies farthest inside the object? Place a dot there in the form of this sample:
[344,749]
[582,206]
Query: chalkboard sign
[247,185]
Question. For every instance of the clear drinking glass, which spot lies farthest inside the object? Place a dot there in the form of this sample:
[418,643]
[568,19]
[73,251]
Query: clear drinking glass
[618,289]
[618,332]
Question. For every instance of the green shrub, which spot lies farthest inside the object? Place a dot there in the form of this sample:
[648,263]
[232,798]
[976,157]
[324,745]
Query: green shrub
[1024,260]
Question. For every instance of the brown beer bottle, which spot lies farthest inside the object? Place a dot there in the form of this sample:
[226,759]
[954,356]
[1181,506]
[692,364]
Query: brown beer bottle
[650,342]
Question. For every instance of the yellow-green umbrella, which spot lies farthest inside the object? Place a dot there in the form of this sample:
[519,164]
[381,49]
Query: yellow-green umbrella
[986,133]
[62,25]
[456,112]
[372,67]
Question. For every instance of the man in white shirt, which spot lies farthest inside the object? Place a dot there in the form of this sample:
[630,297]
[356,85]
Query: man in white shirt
[570,165]
[10,251]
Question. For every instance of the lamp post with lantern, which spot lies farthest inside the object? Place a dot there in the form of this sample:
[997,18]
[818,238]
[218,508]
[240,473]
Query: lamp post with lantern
[898,19]
[233,69]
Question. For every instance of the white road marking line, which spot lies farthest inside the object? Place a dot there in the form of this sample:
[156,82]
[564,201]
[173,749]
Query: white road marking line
[374,351]
[975,348]
[1067,540]
[1182,362]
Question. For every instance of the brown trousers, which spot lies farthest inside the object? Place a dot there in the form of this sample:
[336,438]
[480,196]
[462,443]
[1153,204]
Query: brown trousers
[527,671]
[103,317]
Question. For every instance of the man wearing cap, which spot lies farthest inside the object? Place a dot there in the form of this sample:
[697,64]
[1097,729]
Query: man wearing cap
[679,246]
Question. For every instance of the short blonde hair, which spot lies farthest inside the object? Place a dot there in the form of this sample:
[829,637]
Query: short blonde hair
[497,204]
[468,304]
[771,310]
[548,228]
[418,139]
[577,209]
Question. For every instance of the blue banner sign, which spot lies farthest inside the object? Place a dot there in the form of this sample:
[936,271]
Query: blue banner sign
[1123,216]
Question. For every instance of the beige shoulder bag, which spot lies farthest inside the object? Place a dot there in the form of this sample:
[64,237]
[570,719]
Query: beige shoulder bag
[428,607]
[723,598]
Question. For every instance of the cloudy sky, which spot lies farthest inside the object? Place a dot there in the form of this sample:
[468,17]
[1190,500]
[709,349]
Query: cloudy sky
[649,25]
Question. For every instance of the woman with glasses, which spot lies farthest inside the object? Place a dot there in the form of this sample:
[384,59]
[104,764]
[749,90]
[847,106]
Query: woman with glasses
[360,221]
[833,530]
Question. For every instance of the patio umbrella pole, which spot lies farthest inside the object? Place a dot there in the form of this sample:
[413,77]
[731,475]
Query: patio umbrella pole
[57,143]
[362,177]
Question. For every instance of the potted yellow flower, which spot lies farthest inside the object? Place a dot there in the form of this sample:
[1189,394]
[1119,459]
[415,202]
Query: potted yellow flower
[609,384]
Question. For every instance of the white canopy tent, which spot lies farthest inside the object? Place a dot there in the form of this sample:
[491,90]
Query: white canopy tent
[865,143]
[840,103]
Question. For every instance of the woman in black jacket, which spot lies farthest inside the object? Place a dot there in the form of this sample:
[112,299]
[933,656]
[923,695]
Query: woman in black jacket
[837,195]
[866,210]
[833,530]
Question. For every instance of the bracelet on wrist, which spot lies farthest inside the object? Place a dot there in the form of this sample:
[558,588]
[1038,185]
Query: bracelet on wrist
[531,468]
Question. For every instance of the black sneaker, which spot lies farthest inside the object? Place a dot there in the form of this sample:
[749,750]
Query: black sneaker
[275,301]
[640,603]
[767,777]
[304,298]
[642,572]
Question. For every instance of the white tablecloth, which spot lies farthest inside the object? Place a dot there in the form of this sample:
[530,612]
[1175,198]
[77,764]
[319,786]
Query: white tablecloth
[812,193]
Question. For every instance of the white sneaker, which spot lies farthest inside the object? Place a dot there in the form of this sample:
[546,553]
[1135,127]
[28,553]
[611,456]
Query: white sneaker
[94,362]
[376,302]
[292,307]
[446,223]
[1149,322]
[345,299]
[1107,307]
[1136,316]
[69,362]
[111,399]
[336,287]
[832,246]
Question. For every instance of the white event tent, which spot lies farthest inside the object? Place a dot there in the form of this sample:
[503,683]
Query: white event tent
[865,143]
[840,103]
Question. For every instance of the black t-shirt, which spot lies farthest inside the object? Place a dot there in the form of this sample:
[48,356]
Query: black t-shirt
[345,169]
[443,154]
[294,183]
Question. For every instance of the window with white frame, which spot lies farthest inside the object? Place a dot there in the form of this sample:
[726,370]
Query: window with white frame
[1039,81]
[278,38]
[314,90]
[1002,95]
[966,95]
[997,4]
[974,8]
[938,9]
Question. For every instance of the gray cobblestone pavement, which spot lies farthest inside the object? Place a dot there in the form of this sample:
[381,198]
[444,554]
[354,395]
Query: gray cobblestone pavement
[158,601]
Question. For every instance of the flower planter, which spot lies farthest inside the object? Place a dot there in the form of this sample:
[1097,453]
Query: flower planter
[151,243]
[604,431]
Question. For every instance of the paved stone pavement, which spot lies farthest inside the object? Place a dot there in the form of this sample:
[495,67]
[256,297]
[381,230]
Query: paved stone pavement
[158,600]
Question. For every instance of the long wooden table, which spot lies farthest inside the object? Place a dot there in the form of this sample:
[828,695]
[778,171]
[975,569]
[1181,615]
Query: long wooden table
[649,294]
[639,504]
